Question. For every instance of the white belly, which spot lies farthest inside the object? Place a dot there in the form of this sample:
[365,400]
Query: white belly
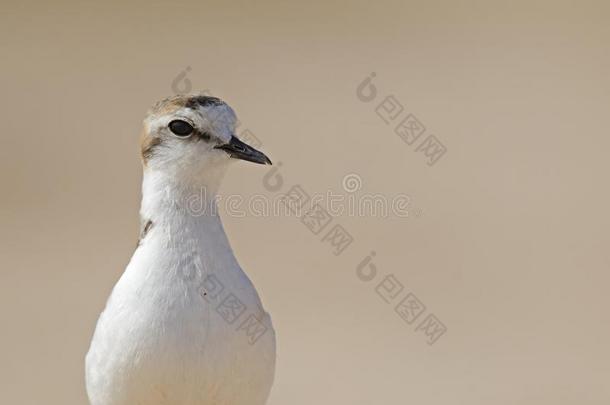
[171,336]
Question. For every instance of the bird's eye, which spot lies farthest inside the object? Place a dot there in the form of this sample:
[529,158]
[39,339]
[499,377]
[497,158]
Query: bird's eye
[180,128]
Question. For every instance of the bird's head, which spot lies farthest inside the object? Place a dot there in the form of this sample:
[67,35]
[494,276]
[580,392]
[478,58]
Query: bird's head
[189,135]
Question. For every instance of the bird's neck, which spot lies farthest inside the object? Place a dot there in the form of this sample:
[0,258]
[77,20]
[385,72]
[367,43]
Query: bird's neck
[180,202]
[181,227]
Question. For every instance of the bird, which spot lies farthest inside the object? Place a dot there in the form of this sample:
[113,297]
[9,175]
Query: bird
[184,325]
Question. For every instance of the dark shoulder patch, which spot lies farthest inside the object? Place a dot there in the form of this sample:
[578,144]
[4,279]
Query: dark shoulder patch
[144,230]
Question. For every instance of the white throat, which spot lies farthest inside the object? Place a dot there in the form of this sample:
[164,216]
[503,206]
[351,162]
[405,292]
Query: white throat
[170,196]
[182,211]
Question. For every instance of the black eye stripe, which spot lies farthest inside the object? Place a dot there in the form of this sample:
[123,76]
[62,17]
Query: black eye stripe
[204,135]
[180,128]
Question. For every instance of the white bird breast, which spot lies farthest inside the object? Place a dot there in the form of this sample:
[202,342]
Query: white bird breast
[182,327]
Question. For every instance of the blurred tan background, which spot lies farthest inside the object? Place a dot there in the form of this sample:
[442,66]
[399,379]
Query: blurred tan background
[508,247]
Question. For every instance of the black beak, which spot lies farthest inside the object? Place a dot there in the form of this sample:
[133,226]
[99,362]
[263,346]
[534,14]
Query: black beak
[239,150]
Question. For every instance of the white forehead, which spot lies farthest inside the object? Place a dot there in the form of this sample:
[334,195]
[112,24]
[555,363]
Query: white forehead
[218,120]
